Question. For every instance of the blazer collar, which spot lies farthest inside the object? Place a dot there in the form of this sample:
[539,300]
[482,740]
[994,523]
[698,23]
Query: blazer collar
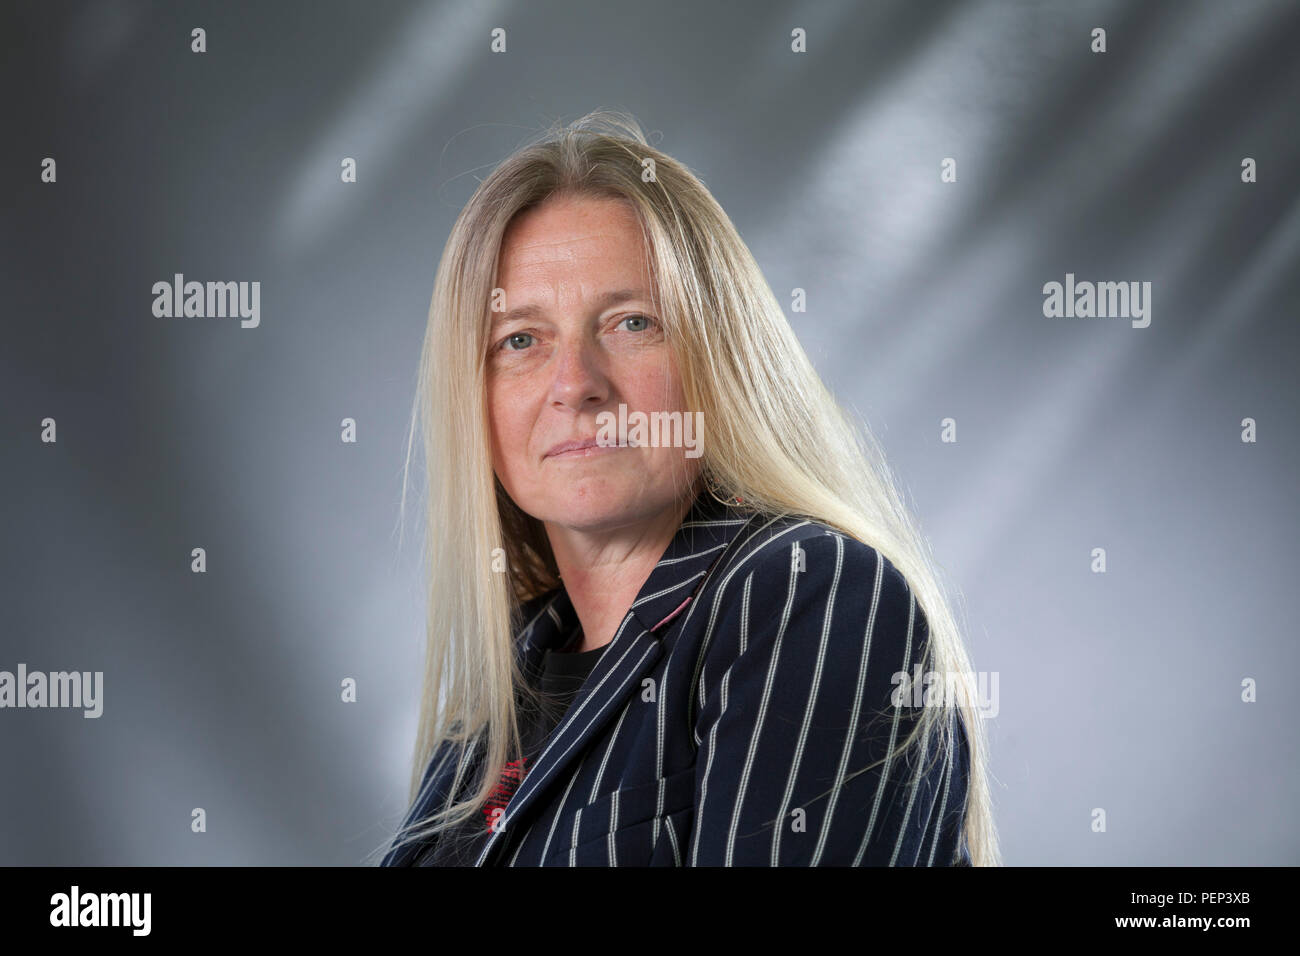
[709,527]
[706,530]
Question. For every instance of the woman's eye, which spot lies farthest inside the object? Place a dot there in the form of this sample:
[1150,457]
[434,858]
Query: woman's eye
[512,343]
[643,319]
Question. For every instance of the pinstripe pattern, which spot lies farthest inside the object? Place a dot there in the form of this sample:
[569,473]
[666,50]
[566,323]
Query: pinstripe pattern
[893,740]
[555,818]
[943,804]
[748,727]
[808,711]
[854,716]
[672,836]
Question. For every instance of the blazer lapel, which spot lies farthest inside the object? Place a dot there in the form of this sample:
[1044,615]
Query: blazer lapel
[616,675]
[547,629]
[709,527]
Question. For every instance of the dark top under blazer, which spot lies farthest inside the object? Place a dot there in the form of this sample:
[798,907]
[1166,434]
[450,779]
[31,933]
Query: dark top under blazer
[734,731]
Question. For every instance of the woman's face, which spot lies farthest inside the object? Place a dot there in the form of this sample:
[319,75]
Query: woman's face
[576,336]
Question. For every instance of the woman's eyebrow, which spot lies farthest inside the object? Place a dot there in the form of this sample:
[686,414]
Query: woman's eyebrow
[602,301]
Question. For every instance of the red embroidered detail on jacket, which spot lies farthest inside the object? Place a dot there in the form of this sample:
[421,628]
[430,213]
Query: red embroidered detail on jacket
[511,775]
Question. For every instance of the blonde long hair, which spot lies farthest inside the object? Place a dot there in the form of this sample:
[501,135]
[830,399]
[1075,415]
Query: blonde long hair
[777,438]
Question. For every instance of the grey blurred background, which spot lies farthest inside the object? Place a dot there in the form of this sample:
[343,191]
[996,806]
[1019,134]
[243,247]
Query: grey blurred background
[1119,691]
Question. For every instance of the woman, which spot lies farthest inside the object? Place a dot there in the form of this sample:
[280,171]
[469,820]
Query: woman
[672,585]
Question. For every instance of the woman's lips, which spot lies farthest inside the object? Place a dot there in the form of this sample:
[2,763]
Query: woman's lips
[585,450]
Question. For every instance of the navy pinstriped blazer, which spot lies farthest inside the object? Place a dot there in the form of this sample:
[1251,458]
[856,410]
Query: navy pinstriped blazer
[730,720]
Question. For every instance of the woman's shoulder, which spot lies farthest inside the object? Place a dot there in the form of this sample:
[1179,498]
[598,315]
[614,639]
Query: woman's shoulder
[816,587]
[780,551]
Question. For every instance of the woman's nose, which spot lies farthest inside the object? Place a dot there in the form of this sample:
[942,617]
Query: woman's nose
[578,376]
